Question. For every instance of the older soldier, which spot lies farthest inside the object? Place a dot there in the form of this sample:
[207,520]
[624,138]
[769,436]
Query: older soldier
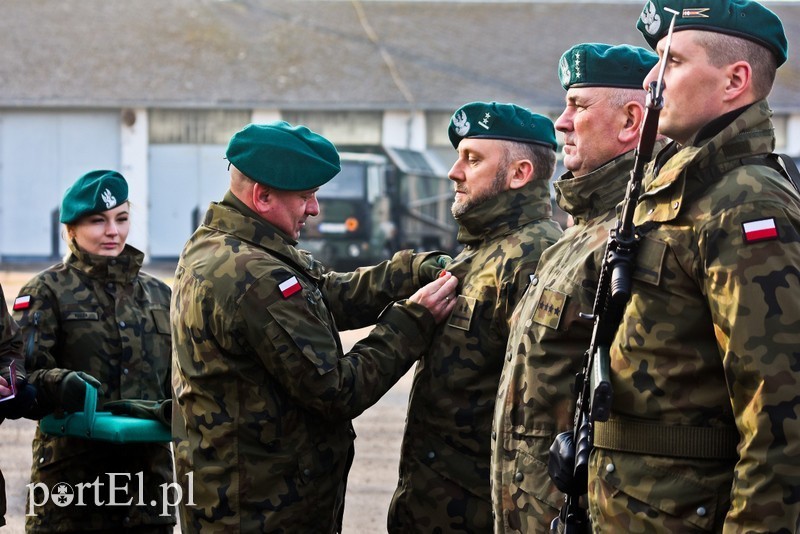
[506,156]
[601,122]
[264,391]
[704,428]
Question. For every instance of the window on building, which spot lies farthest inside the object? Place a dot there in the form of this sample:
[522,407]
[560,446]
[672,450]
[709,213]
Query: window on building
[341,127]
[201,127]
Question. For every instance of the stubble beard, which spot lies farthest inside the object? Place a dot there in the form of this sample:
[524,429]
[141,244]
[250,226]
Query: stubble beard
[459,208]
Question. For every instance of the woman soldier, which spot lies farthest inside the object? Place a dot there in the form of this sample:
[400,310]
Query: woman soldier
[96,319]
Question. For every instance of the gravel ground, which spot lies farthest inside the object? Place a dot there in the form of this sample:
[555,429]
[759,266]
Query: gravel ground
[372,479]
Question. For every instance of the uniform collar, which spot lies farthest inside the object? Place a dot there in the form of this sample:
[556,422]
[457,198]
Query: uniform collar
[585,197]
[505,212]
[232,216]
[121,269]
[667,182]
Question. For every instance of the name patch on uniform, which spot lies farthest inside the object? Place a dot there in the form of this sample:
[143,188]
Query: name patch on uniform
[22,302]
[760,230]
[461,316]
[650,261]
[81,316]
[289,287]
[550,308]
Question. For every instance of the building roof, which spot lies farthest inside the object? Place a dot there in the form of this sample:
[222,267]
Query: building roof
[329,55]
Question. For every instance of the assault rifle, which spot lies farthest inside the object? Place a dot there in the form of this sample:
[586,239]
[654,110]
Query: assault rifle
[569,455]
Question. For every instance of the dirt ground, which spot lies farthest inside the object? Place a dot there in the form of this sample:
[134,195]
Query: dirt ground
[372,479]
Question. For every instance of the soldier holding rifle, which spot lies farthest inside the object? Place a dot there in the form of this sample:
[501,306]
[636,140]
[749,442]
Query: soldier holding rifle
[704,428]
[601,123]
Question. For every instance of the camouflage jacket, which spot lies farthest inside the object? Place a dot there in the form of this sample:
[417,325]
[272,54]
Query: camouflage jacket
[10,350]
[705,363]
[545,350]
[10,343]
[100,315]
[10,339]
[444,465]
[264,391]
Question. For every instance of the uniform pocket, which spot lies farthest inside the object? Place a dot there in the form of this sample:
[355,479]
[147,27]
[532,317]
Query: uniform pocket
[530,467]
[296,328]
[447,462]
[663,486]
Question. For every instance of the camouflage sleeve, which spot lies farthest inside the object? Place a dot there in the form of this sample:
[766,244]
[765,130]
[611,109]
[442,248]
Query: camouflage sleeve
[10,341]
[753,292]
[357,298]
[301,351]
[40,329]
[163,293]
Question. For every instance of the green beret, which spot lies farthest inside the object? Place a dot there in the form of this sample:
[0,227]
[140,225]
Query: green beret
[490,120]
[94,192]
[603,65]
[279,155]
[741,18]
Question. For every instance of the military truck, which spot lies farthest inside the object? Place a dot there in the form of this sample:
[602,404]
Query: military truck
[379,204]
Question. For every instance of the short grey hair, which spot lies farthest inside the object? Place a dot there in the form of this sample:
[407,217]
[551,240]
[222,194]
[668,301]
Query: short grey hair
[542,157]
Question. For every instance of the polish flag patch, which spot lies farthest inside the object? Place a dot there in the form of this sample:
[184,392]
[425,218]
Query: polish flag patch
[22,303]
[290,287]
[760,230]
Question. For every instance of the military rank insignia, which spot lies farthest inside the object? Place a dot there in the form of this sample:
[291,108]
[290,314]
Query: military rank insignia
[549,308]
[289,287]
[23,302]
[760,230]
[461,316]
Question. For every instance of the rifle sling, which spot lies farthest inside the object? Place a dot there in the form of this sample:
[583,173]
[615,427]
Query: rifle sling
[666,440]
[779,162]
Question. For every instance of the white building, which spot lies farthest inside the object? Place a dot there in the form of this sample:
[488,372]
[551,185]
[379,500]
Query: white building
[155,88]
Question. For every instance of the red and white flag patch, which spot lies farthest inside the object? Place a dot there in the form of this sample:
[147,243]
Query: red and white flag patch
[289,287]
[760,230]
[22,302]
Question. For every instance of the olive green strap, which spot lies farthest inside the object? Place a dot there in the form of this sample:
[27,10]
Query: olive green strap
[666,440]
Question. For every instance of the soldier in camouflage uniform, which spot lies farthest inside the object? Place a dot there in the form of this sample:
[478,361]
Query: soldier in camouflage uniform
[265,393]
[704,429]
[18,406]
[97,319]
[502,205]
[601,123]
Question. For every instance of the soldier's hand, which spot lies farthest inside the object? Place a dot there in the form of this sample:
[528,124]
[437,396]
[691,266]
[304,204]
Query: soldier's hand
[72,390]
[5,390]
[160,410]
[431,268]
[438,296]
[21,404]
